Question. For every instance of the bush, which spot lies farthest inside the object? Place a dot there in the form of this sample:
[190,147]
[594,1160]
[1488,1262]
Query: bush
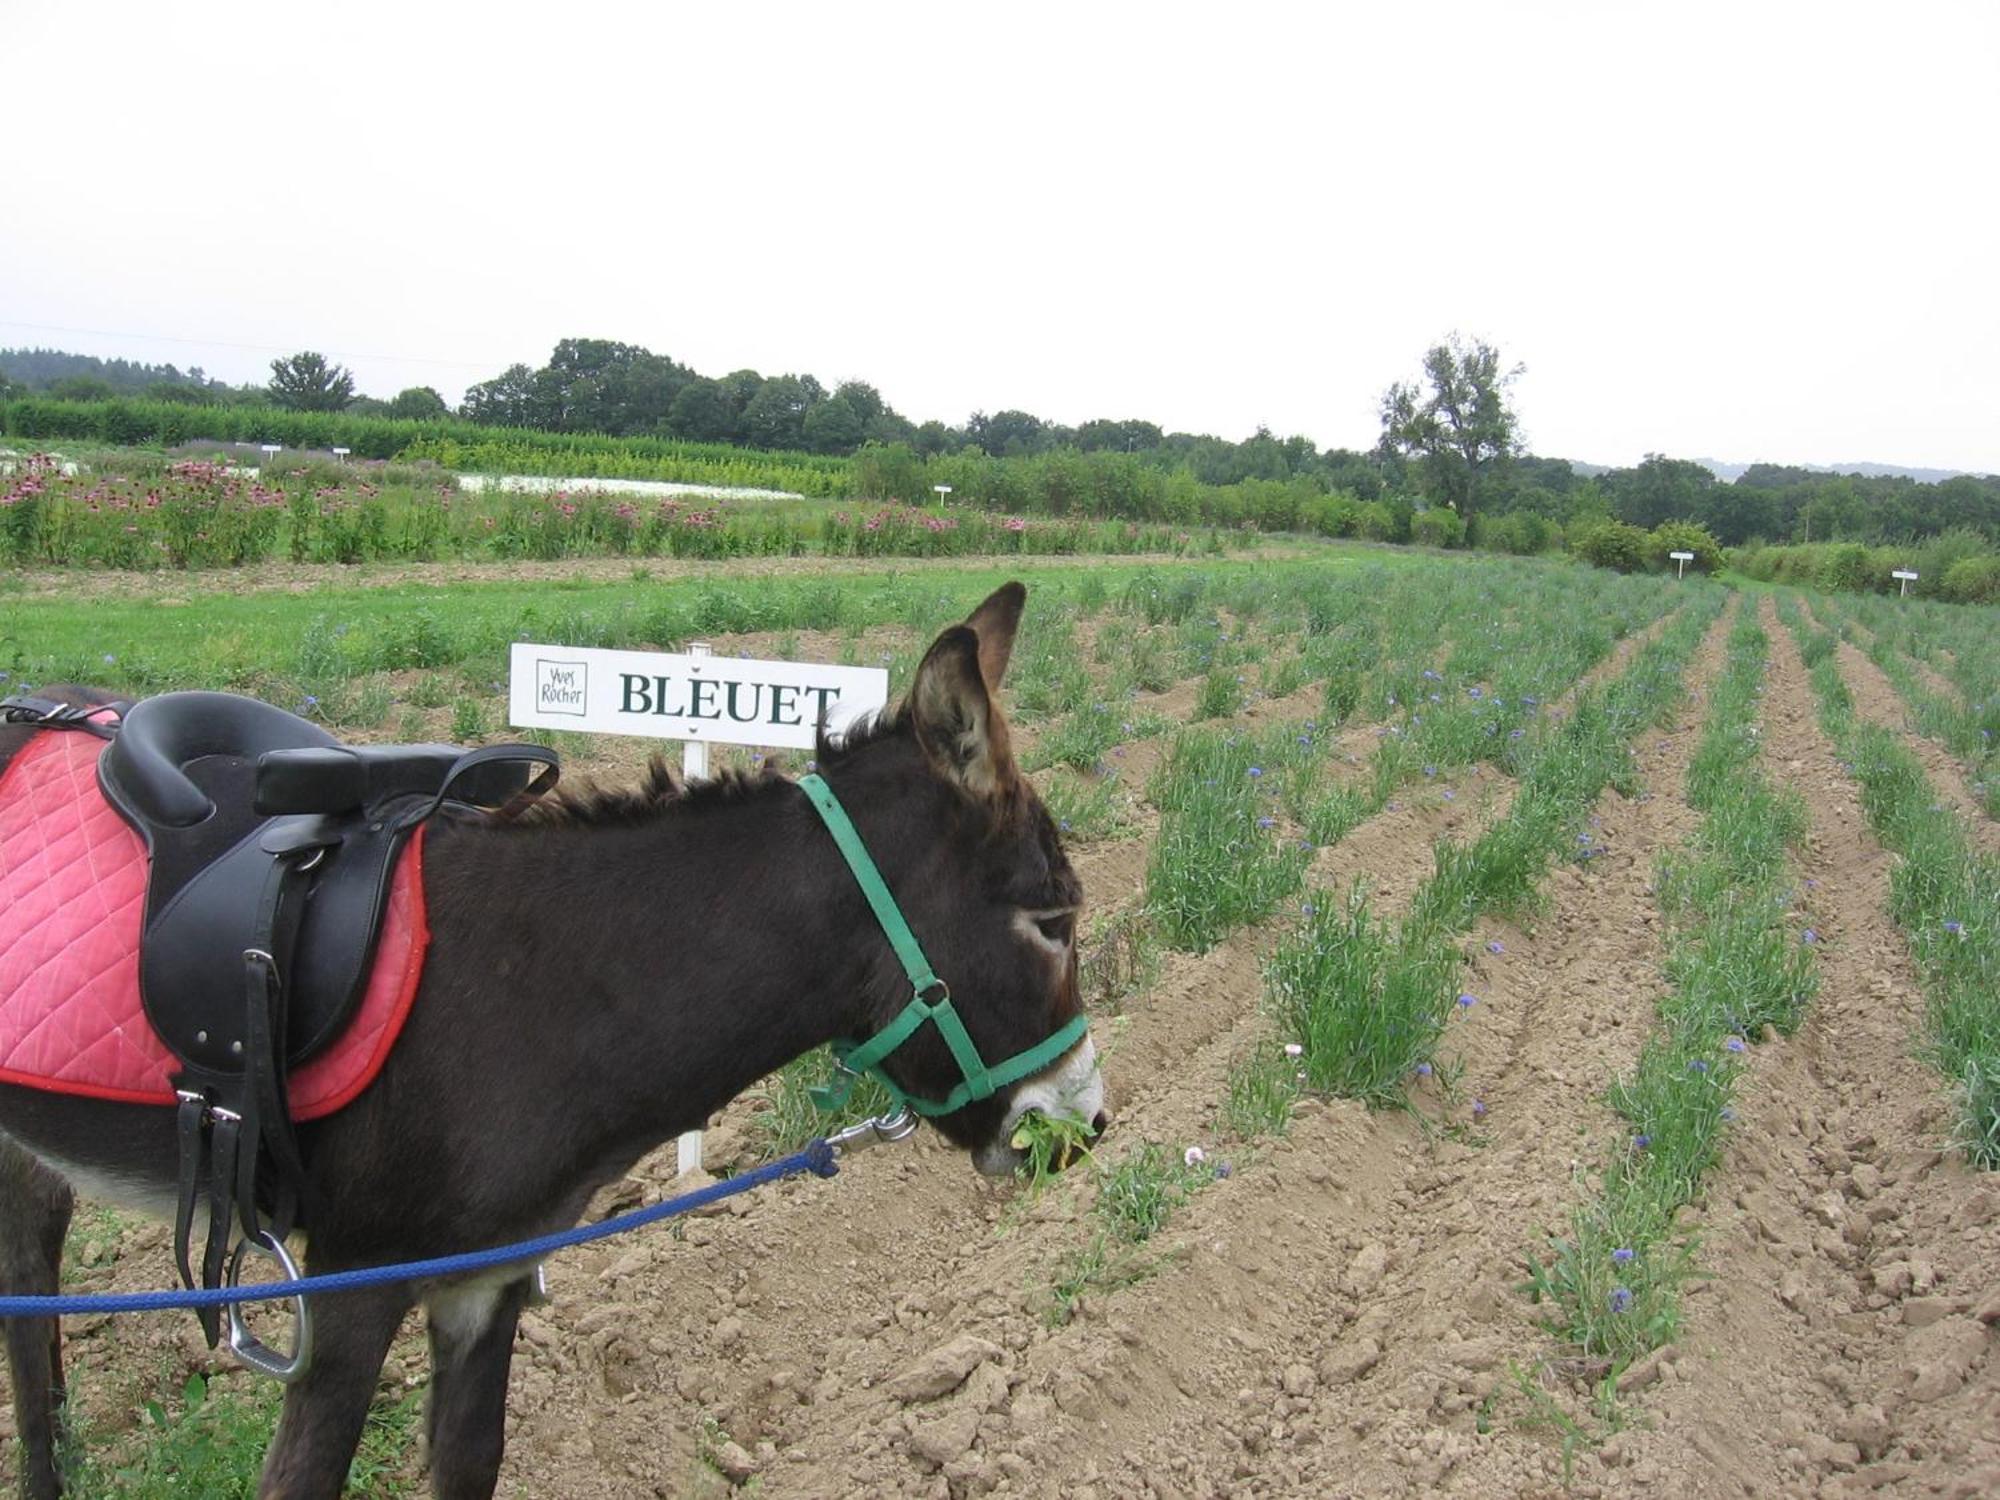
[1845,565]
[1439,526]
[1686,536]
[1972,580]
[1375,522]
[1612,544]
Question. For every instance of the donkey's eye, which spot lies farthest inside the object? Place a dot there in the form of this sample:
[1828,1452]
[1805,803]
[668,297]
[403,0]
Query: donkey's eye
[1058,928]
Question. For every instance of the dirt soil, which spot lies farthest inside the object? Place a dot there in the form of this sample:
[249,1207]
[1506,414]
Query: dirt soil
[1339,1315]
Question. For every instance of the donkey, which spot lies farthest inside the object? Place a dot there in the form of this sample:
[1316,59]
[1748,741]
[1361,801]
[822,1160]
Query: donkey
[603,974]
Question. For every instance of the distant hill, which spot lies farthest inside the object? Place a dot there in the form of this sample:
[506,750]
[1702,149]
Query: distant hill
[42,368]
[1729,473]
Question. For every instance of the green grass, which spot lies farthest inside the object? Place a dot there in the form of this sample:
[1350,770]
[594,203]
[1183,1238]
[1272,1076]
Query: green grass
[208,1439]
[1086,808]
[1221,859]
[1136,1195]
[788,1119]
[1262,1088]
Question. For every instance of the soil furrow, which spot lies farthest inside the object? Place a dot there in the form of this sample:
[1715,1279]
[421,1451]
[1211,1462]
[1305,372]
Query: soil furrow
[1876,700]
[1837,1347]
[1343,1346]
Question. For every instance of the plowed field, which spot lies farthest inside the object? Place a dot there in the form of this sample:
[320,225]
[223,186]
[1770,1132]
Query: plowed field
[1334,1308]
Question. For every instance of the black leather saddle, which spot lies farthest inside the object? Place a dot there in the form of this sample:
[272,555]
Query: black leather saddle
[272,847]
[224,789]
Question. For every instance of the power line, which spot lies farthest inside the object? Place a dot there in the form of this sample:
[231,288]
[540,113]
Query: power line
[163,338]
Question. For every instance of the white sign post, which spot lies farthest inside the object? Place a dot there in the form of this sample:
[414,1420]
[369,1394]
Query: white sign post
[1683,558]
[694,767]
[270,451]
[699,698]
[942,491]
[341,453]
[1907,576]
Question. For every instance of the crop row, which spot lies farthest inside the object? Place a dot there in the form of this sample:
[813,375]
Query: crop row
[1944,894]
[1738,961]
[194,514]
[1960,643]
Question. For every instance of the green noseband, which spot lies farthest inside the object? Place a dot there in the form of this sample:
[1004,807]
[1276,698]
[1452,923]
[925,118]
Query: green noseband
[856,1059]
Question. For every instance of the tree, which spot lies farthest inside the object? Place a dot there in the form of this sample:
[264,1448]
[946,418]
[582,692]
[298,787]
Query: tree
[419,404]
[1660,489]
[834,426]
[775,417]
[1007,434]
[509,399]
[82,388]
[1455,423]
[306,382]
[702,412]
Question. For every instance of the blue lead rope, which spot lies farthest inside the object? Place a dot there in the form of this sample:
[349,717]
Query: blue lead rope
[818,1158]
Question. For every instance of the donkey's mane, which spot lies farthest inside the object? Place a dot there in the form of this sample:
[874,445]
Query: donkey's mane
[662,790]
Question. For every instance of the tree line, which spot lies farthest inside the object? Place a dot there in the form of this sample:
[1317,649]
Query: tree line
[1449,441]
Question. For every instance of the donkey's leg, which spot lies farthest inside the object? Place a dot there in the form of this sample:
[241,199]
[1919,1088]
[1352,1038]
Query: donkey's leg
[35,1206]
[472,1345]
[324,1410]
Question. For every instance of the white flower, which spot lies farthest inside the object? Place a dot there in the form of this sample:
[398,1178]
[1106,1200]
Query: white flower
[1293,1049]
[1194,1156]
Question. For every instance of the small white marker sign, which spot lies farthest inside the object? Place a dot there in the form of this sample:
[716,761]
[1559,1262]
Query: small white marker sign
[1681,556]
[711,699]
[1904,573]
[1905,577]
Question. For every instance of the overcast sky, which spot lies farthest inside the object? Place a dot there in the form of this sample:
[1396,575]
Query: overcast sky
[1743,231]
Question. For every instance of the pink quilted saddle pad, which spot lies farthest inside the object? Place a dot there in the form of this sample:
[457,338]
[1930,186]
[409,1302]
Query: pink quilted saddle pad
[72,899]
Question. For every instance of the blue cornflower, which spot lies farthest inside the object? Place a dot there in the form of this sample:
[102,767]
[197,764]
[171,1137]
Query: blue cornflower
[1466,1002]
[1423,1070]
[1267,822]
[1697,1065]
[1728,1114]
[1621,1300]
[1621,1255]
[1809,936]
[1256,771]
[1734,1044]
[1306,908]
[1474,693]
[1495,947]
[1478,1109]
[1642,1141]
[1430,770]
[1956,929]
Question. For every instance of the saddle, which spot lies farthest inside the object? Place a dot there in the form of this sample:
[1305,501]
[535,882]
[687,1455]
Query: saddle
[271,849]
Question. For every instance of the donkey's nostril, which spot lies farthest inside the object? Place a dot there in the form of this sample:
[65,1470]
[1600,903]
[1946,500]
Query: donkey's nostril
[1100,1123]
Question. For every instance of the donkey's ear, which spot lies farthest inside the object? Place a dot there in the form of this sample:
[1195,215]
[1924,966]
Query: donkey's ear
[956,719]
[995,622]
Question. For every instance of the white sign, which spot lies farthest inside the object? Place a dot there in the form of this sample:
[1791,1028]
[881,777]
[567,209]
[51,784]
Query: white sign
[1681,556]
[713,699]
[1903,573]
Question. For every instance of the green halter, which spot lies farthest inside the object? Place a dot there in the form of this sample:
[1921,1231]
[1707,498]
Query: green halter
[856,1059]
